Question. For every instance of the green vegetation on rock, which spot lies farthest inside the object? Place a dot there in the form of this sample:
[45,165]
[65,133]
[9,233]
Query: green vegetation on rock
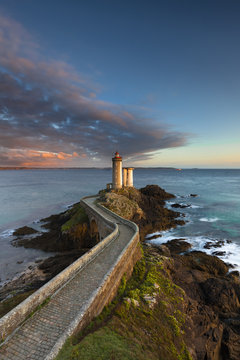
[77,216]
[14,300]
[144,321]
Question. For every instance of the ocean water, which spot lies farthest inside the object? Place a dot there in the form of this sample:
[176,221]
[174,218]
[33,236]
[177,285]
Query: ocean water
[28,195]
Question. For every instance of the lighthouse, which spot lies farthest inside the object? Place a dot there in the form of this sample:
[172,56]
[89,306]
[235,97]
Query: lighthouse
[117,171]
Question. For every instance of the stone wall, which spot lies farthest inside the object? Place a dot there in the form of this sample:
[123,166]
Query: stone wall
[107,290]
[102,296]
[16,316]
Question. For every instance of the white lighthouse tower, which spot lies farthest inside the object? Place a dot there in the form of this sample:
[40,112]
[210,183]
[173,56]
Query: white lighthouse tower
[117,171]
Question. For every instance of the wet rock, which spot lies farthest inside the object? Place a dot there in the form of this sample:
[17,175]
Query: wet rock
[216,244]
[53,265]
[219,253]
[178,246]
[180,222]
[25,230]
[38,261]
[230,266]
[181,206]
[234,273]
[154,237]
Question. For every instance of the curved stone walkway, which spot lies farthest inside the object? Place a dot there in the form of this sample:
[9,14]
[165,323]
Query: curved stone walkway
[42,335]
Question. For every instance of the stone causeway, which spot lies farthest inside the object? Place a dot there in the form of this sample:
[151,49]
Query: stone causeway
[75,296]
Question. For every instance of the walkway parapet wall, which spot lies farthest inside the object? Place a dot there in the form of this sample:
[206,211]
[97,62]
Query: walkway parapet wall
[108,288]
[16,316]
[129,223]
[104,226]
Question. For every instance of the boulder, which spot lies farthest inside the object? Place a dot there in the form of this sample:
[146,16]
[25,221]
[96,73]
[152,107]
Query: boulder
[221,295]
[178,246]
[181,206]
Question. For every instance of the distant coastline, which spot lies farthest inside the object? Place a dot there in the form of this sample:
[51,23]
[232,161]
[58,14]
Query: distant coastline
[106,168]
[75,168]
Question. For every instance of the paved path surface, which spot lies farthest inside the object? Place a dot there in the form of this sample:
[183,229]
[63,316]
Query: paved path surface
[36,338]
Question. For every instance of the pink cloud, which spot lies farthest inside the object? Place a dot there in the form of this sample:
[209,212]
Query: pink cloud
[50,113]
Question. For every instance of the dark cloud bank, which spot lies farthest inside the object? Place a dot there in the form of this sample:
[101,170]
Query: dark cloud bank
[50,115]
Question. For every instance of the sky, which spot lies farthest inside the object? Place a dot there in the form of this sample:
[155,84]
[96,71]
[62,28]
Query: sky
[156,80]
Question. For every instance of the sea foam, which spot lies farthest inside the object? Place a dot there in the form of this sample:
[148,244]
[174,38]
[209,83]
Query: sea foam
[7,233]
[213,219]
[229,252]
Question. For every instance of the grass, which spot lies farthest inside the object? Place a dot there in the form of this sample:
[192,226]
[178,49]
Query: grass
[39,307]
[133,328]
[104,344]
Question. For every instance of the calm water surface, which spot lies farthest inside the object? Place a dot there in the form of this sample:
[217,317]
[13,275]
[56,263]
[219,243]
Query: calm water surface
[28,195]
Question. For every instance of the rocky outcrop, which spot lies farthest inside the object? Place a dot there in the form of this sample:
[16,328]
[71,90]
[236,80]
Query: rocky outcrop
[212,302]
[145,207]
[67,236]
[187,287]
[212,295]
[25,230]
[180,206]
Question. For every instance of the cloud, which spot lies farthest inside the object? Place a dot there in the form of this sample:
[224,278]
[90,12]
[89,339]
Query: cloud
[16,157]
[49,113]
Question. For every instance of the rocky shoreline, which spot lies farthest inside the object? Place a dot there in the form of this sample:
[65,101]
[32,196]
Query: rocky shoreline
[211,298]
[66,235]
[212,291]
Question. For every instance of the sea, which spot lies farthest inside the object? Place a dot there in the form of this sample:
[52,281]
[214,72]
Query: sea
[212,217]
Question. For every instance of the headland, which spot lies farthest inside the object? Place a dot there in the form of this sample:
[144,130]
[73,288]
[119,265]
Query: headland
[180,302]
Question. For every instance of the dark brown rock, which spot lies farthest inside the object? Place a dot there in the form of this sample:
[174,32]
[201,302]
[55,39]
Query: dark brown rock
[221,295]
[158,193]
[178,246]
[230,344]
[215,244]
[164,250]
[25,230]
[234,274]
[213,310]
[207,263]
[181,206]
[219,253]
[154,237]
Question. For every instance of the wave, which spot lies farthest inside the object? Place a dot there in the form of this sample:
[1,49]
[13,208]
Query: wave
[7,233]
[209,219]
[185,206]
[154,234]
[227,251]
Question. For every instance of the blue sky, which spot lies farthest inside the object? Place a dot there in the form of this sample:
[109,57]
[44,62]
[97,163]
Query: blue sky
[170,68]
